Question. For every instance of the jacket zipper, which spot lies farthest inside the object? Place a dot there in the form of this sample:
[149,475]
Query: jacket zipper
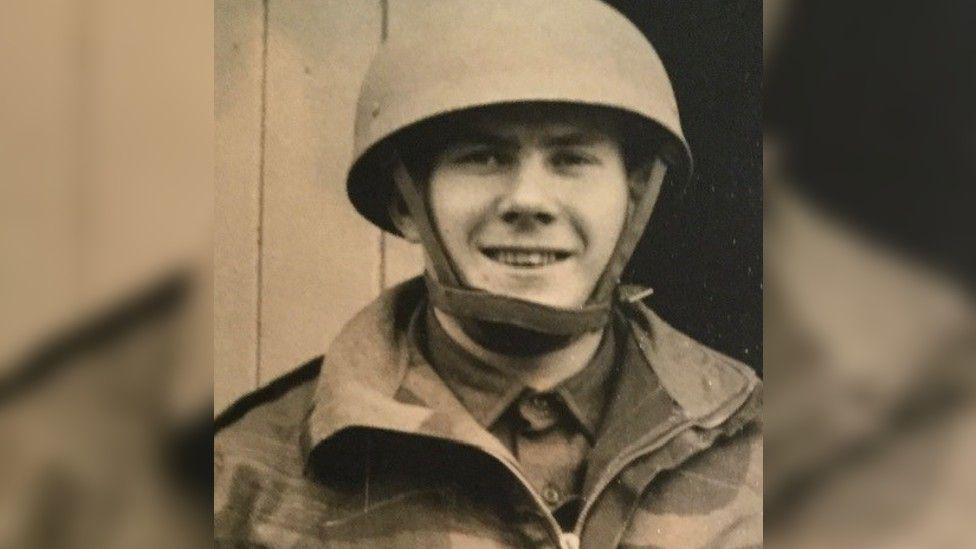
[554,528]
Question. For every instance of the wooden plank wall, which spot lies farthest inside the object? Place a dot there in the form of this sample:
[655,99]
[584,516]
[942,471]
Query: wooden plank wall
[293,261]
[238,83]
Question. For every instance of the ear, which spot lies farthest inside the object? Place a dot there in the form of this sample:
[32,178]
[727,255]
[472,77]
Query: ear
[402,219]
[638,180]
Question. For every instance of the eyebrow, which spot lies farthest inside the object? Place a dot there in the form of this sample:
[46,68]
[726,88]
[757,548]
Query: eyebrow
[482,137]
[572,139]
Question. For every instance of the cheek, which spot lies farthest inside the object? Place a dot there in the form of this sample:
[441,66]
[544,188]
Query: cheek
[621,206]
[607,213]
[455,205]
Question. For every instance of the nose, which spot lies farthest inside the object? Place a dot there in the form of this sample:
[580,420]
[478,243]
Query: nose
[527,200]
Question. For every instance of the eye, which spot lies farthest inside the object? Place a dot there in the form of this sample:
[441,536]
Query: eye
[487,159]
[572,159]
[481,158]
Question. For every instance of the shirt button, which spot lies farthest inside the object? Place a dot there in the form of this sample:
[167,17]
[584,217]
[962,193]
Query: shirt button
[539,411]
[550,495]
[541,404]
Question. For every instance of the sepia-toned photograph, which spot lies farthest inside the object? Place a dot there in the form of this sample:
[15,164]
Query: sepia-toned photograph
[487,273]
[506,284]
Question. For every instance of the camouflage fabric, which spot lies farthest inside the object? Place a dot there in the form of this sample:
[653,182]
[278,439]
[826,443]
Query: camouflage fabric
[369,448]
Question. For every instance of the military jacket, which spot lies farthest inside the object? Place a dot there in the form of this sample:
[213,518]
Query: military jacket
[368,447]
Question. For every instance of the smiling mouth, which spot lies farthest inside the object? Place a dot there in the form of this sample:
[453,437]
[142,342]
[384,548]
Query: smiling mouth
[525,258]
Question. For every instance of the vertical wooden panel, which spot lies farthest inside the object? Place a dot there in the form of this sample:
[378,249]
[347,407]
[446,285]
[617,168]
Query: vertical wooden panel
[320,259]
[402,260]
[238,71]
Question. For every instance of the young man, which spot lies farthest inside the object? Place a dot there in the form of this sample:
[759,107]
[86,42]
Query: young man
[516,395]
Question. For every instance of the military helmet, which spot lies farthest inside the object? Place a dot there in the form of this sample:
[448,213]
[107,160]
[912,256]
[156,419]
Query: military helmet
[454,55]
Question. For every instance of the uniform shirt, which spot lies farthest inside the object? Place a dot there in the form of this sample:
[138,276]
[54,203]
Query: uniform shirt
[551,433]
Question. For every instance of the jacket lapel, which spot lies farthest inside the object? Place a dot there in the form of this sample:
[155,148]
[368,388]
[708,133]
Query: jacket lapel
[373,378]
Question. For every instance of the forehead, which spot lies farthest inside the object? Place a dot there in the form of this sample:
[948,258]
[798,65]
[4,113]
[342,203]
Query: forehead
[521,124]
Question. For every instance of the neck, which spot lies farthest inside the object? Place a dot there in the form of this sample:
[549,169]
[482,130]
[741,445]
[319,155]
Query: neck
[541,371]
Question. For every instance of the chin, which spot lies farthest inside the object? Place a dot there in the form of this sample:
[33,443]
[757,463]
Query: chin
[551,299]
[546,286]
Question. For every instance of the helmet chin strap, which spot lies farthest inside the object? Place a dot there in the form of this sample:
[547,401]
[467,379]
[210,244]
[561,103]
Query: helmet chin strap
[486,314]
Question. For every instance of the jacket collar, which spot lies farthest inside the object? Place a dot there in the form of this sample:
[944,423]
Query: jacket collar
[373,379]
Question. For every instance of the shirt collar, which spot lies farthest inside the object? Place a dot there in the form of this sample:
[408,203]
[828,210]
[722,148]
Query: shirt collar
[487,391]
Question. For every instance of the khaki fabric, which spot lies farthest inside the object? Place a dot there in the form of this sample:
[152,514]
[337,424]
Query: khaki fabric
[550,433]
[368,447]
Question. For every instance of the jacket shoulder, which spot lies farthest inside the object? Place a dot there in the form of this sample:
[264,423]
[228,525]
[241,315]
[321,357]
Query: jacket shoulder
[270,394]
[258,454]
[670,339]
[266,424]
[688,349]
[708,384]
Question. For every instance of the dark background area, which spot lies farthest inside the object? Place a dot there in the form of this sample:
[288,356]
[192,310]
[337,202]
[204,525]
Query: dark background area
[876,102]
[702,253]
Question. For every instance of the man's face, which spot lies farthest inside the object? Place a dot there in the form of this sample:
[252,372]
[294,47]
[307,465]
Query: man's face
[531,206]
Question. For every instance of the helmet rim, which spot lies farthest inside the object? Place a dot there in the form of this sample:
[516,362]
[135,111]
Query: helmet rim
[370,186]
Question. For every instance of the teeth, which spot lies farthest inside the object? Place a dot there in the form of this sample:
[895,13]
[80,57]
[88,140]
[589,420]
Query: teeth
[523,259]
